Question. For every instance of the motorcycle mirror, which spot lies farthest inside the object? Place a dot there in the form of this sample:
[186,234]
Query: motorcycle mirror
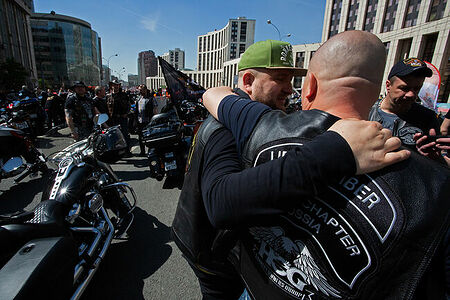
[100,119]
[12,165]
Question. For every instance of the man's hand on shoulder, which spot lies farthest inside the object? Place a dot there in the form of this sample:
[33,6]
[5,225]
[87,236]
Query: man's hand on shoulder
[213,96]
[373,146]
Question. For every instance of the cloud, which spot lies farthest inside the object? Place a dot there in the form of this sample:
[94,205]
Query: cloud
[149,24]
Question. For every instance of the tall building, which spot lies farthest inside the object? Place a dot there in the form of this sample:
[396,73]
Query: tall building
[408,28]
[66,50]
[106,74]
[218,46]
[218,54]
[147,65]
[132,80]
[175,58]
[15,35]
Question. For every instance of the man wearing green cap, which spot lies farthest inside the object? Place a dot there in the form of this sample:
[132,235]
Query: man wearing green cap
[363,236]
[265,74]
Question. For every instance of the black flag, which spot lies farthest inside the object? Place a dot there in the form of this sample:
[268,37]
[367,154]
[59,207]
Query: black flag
[179,85]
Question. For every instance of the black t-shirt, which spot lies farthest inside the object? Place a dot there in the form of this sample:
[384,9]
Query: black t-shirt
[100,104]
[80,108]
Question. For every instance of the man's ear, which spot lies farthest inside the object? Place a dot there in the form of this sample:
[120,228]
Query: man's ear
[388,85]
[309,90]
[247,81]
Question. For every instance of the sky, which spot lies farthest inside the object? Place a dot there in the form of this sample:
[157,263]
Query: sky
[127,27]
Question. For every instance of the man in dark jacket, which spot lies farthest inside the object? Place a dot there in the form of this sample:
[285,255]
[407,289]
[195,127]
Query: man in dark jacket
[118,107]
[363,237]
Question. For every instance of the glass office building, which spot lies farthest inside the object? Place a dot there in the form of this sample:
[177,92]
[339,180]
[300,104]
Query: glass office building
[66,50]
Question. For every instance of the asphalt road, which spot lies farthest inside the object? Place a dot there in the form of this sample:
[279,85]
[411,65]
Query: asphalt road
[148,265]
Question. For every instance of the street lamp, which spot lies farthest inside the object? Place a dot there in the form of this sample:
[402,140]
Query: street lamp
[120,72]
[107,60]
[279,34]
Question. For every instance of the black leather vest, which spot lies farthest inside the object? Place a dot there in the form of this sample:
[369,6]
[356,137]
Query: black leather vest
[367,237]
[197,239]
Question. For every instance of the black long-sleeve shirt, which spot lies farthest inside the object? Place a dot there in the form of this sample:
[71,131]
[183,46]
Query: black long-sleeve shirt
[233,196]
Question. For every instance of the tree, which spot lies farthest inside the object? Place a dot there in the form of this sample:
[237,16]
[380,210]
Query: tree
[12,75]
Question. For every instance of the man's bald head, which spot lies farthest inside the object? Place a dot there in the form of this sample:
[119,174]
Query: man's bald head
[350,54]
[349,66]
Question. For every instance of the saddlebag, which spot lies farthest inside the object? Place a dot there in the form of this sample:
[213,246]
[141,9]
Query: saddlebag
[41,269]
[165,135]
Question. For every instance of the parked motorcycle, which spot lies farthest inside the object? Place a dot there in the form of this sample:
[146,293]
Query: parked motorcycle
[14,147]
[18,119]
[36,113]
[54,251]
[164,136]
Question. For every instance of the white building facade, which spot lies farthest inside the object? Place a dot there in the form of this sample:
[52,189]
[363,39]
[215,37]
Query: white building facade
[408,28]
[214,51]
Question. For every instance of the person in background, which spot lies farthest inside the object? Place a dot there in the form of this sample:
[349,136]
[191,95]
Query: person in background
[146,107]
[118,105]
[99,100]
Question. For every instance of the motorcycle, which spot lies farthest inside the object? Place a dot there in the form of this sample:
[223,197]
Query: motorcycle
[164,136]
[35,111]
[19,119]
[54,251]
[192,114]
[14,146]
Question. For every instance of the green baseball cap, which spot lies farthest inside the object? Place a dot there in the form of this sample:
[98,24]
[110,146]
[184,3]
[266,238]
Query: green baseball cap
[269,54]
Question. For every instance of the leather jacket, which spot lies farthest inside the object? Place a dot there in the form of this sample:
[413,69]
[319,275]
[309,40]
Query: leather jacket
[368,237]
[198,240]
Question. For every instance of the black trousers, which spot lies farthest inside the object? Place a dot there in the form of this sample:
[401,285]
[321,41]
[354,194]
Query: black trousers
[139,128]
[223,286]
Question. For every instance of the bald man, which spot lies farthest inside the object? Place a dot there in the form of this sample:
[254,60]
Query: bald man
[265,74]
[364,237]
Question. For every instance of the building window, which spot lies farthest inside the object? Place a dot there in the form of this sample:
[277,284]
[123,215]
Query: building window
[243,32]
[445,91]
[352,14]
[241,49]
[371,12]
[429,46]
[436,10]
[299,59]
[412,12]
[387,45]
[335,18]
[389,16]
[403,49]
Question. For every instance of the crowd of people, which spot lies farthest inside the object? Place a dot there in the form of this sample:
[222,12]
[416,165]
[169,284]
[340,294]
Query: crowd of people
[80,108]
[76,106]
[344,199]
[320,203]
